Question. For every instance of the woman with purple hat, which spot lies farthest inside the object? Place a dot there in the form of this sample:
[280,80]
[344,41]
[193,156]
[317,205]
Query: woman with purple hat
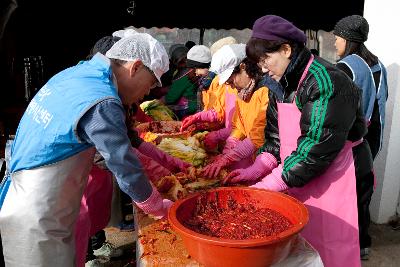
[311,134]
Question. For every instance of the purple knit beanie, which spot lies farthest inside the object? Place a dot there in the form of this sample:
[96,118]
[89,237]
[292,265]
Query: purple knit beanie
[275,28]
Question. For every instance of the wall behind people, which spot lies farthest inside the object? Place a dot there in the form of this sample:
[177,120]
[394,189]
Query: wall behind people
[384,41]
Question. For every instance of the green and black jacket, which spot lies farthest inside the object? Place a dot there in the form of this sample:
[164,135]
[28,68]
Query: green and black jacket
[331,114]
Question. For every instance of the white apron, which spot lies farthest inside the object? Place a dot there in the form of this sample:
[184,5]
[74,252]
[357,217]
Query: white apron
[38,216]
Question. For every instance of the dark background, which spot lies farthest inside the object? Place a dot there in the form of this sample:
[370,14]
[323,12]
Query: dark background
[62,32]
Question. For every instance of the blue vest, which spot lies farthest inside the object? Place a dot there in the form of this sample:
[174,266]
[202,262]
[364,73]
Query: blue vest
[47,132]
[364,79]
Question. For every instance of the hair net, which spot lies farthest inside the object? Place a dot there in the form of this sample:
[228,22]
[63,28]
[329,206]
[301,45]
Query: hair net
[144,47]
[103,45]
[124,33]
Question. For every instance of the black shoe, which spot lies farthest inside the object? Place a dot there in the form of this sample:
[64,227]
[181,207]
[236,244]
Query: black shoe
[364,254]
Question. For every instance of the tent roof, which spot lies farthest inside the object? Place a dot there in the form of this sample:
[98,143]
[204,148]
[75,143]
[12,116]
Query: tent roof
[68,29]
[219,14]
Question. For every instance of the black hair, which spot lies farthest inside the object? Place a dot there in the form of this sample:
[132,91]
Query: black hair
[314,51]
[257,48]
[251,68]
[361,50]
[103,45]
[190,44]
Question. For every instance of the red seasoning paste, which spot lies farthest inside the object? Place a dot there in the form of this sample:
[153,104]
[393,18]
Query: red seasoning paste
[164,127]
[234,220]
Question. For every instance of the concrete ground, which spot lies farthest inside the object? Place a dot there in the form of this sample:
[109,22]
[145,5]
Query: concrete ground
[385,250]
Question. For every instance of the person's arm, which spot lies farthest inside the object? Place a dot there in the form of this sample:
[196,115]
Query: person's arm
[134,137]
[271,131]
[259,105]
[237,132]
[104,127]
[242,144]
[217,99]
[268,154]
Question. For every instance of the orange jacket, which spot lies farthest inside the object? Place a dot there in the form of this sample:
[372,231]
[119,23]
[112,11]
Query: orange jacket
[214,98]
[250,117]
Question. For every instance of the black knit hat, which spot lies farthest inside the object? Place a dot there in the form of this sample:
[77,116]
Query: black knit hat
[352,28]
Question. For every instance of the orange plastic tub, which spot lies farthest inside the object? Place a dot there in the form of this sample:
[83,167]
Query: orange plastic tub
[212,251]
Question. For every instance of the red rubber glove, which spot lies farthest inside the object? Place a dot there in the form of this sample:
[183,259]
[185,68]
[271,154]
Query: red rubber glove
[263,165]
[213,169]
[242,150]
[212,139]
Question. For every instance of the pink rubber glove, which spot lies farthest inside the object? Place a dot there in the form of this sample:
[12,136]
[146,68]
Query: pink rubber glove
[155,205]
[273,181]
[230,143]
[242,150]
[212,139]
[152,168]
[171,163]
[263,165]
[203,116]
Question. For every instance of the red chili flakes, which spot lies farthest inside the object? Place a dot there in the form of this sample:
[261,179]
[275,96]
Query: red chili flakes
[234,220]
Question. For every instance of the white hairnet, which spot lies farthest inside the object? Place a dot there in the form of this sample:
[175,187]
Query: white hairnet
[124,33]
[145,48]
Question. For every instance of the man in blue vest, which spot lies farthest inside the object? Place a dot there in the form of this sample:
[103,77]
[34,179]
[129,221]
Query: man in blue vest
[77,111]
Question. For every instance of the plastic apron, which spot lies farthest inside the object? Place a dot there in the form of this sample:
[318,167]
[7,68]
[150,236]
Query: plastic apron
[330,198]
[37,220]
[95,210]
[230,100]
[230,107]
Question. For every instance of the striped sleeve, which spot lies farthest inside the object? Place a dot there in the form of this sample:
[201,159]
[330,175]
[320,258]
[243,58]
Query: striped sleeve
[104,127]
[323,133]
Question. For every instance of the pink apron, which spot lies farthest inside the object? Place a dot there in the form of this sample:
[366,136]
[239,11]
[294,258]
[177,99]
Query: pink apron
[95,210]
[230,100]
[330,198]
[230,107]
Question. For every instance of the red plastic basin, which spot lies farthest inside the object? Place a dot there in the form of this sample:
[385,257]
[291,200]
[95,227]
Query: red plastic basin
[212,251]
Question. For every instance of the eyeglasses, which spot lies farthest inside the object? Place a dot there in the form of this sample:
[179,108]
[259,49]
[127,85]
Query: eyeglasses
[154,76]
[264,62]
